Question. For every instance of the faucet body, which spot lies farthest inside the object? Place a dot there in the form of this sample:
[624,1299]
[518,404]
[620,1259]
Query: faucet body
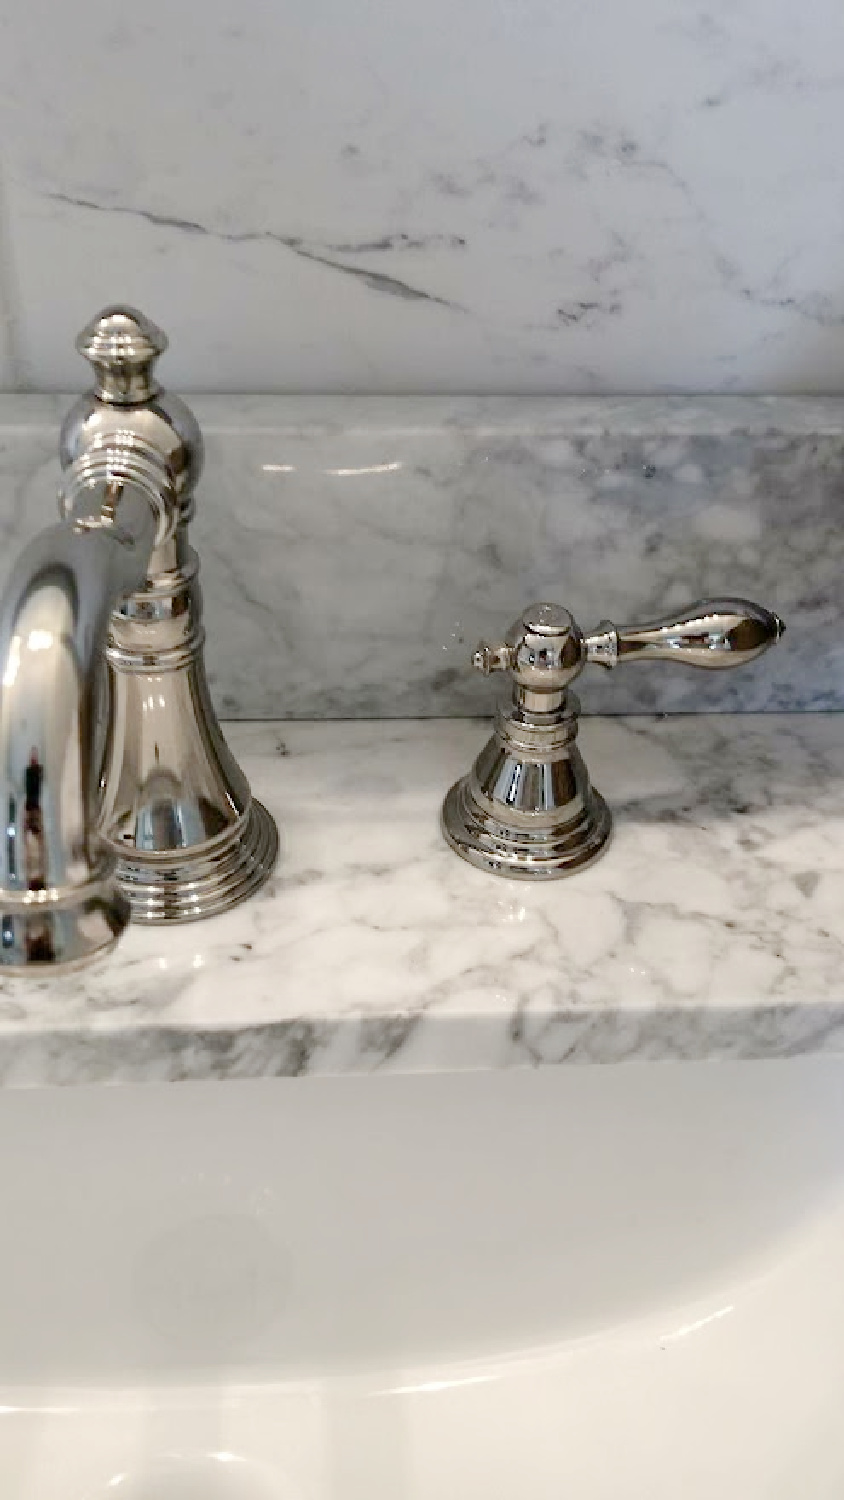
[119,793]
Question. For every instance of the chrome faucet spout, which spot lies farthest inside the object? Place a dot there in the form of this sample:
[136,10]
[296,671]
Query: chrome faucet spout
[59,898]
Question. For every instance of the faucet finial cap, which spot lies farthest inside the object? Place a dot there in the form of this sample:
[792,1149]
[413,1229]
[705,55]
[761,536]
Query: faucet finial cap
[122,346]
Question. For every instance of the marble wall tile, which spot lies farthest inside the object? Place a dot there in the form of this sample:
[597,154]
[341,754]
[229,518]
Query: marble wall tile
[9,373]
[355,549]
[7,368]
[543,197]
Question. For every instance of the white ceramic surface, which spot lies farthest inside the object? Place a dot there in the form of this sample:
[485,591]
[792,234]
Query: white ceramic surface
[542,197]
[713,926]
[593,1282]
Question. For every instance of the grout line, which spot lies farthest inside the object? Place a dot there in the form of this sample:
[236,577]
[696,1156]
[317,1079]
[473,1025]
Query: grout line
[9,300]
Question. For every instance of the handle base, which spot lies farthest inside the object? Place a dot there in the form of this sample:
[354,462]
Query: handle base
[527,808]
[501,849]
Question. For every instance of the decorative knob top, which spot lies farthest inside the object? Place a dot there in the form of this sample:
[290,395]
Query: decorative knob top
[122,346]
[127,409]
[543,649]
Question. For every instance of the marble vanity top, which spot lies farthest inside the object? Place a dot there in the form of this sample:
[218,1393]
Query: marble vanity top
[713,927]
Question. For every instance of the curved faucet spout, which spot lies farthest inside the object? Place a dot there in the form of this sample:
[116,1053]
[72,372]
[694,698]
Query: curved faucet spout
[59,900]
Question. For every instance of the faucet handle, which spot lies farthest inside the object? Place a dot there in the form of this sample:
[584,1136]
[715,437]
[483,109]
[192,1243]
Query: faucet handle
[712,633]
[527,807]
[545,649]
[122,345]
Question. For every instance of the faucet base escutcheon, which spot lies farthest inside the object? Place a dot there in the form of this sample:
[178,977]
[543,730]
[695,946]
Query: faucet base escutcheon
[206,882]
[527,807]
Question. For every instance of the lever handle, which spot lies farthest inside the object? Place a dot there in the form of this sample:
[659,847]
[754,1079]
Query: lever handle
[712,633]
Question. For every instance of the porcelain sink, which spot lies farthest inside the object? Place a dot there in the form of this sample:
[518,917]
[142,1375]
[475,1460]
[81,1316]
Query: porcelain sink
[594,1282]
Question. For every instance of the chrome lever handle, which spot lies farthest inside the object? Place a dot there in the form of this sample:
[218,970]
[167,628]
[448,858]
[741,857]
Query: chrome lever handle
[712,633]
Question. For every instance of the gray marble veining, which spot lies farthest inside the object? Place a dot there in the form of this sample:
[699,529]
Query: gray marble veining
[714,926]
[354,549]
[542,197]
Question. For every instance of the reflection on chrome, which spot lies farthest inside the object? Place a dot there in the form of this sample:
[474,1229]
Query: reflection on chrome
[13,662]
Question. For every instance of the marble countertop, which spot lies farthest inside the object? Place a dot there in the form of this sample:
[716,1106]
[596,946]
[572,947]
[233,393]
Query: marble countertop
[713,927]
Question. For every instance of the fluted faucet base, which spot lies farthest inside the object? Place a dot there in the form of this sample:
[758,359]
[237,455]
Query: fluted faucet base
[523,853]
[186,887]
[527,808]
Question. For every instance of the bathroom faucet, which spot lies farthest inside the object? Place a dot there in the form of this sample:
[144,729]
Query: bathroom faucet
[527,808]
[119,794]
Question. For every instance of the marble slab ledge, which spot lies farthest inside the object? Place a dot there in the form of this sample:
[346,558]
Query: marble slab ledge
[713,928]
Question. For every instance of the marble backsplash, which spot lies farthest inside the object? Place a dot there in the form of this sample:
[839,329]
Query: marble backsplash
[354,549]
[552,196]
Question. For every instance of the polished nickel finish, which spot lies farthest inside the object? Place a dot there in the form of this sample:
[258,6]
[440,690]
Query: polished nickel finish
[119,792]
[122,346]
[527,807]
[713,633]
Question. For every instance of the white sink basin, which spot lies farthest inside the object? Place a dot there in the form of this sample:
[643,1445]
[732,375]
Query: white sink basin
[595,1282]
